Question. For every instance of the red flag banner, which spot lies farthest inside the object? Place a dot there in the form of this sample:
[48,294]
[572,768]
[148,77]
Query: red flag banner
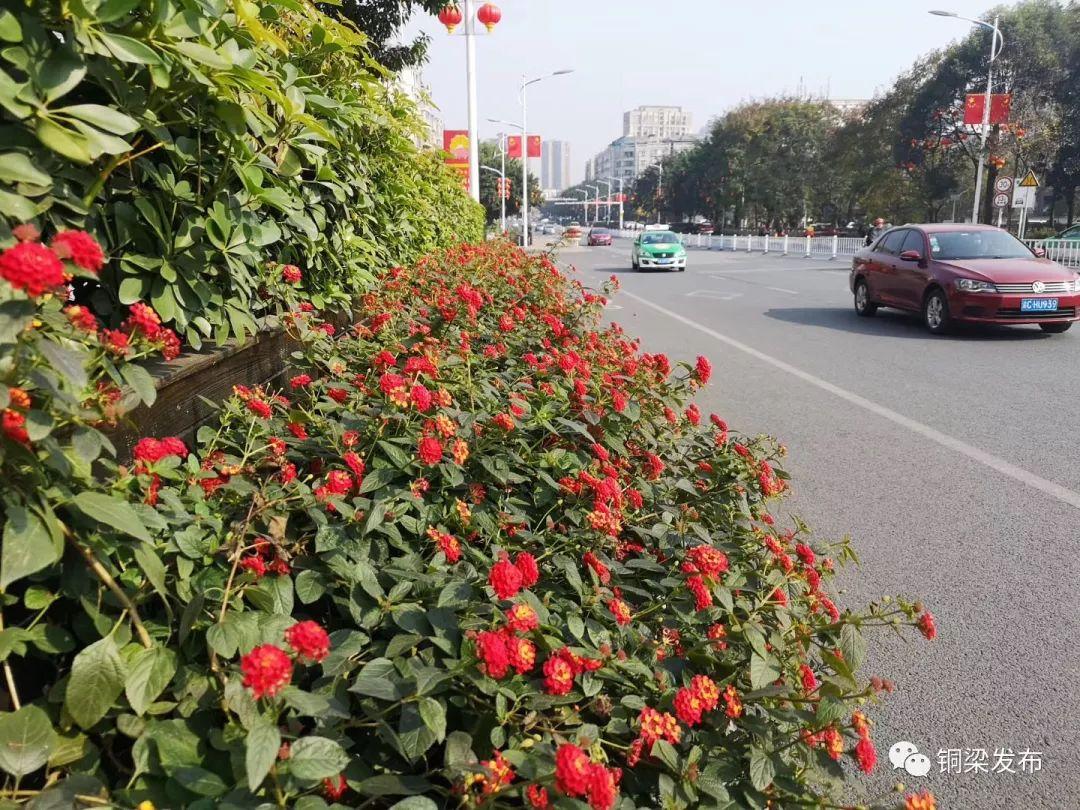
[534,146]
[513,146]
[1000,106]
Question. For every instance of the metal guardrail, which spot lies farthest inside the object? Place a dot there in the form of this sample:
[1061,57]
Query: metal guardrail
[1062,251]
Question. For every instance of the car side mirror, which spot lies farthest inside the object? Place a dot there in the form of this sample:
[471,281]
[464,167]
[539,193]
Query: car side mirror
[911,256]
[1039,252]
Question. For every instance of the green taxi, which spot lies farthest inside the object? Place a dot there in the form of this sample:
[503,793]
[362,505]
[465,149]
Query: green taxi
[661,250]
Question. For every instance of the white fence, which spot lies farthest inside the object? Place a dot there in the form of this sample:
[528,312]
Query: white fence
[833,247]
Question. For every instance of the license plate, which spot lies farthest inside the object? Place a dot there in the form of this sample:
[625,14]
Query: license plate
[1038,304]
[663,261]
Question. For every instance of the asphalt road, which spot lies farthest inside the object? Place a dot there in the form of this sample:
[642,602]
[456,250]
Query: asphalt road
[951,462]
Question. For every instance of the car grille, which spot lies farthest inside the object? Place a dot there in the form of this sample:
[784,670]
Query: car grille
[1051,287]
[663,255]
[1062,314]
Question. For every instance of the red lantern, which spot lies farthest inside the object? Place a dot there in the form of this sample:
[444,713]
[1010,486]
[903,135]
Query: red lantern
[489,15]
[450,16]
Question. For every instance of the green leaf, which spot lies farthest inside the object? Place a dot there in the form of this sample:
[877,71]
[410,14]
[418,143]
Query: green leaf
[392,784]
[201,781]
[414,735]
[17,207]
[111,512]
[102,117]
[853,646]
[458,753]
[203,55]
[762,769]
[762,671]
[151,671]
[15,316]
[152,567]
[60,73]
[666,752]
[97,679]
[10,30]
[141,382]
[415,803]
[309,587]
[27,739]
[63,141]
[379,679]
[27,546]
[263,742]
[15,167]
[433,713]
[315,758]
[70,360]
[127,49]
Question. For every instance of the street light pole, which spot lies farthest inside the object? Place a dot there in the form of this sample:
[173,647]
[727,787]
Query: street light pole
[502,197]
[597,214]
[995,50]
[613,179]
[607,212]
[525,82]
[470,78]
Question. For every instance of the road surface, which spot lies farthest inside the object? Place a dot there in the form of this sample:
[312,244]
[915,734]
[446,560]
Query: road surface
[952,463]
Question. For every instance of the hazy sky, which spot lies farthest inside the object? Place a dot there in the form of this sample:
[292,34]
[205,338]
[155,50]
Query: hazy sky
[704,55]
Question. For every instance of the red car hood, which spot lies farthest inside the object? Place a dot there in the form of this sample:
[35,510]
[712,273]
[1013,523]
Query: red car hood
[1010,271]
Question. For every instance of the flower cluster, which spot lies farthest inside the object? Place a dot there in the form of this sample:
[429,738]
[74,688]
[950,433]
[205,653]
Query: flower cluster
[268,669]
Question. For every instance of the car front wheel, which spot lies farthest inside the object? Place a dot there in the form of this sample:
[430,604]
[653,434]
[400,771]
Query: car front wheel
[936,312]
[1055,328]
[864,307]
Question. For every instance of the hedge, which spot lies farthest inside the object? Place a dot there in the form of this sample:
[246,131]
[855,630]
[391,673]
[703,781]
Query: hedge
[202,139]
[479,552]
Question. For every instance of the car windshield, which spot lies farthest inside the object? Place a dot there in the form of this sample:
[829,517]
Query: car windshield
[599,232]
[978,244]
[659,238]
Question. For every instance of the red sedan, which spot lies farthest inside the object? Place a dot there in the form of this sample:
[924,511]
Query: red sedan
[599,236]
[964,273]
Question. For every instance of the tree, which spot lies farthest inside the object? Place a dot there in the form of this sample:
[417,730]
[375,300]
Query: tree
[489,197]
[381,20]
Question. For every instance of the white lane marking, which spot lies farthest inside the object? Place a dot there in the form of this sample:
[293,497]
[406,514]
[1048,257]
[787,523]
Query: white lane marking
[781,289]
[614,306]
[974,453]
[719,296]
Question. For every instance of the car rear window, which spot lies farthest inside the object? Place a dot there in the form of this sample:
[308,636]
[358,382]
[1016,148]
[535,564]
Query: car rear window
[977,244]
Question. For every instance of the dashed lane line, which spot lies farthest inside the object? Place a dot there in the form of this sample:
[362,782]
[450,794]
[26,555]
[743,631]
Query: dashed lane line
[989,460]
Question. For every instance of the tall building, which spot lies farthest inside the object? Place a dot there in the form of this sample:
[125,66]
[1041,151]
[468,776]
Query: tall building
[411,82]
[656,122]
[555,165]
[650,134]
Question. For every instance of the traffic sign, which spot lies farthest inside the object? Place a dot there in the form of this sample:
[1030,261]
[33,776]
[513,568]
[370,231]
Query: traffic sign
[1023,196]
[1003,185]
[1030,180]
[1001,201]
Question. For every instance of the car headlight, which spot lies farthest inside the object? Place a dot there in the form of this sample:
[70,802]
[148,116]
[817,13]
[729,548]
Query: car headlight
[974,285]
[1076,285]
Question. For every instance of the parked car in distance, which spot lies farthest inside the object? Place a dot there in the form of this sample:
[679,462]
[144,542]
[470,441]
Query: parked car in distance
[599,236]
[954,273]
[1070,234]
[706,229]
[657,249]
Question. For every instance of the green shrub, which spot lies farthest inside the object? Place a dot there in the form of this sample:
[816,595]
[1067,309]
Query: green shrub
[479,552]
[200,138]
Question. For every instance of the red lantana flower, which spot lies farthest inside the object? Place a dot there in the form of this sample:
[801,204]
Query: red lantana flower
[32,267]
[538,797]
[259,408]
[334,787]
[493,654]
[309,641]
[526,565]
[620,610]
[572,770]
[267,670]
[81,248]
[702,370]
[927,626]
[505,578]
[430,450]
[291,274]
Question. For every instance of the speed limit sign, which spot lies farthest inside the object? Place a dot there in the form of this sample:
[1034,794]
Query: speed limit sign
[1001,200]
[1003,185]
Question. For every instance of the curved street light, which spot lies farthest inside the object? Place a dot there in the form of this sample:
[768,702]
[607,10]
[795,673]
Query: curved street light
[596,216]
[997,42]
[525,82]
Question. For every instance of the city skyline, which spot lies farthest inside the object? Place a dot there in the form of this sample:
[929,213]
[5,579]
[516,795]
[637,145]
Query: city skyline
[815,54]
